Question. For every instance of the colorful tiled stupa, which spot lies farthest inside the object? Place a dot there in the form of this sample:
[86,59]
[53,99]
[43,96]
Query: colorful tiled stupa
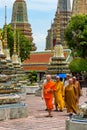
[19,16]
[64,9]
[58,62]
[12,103]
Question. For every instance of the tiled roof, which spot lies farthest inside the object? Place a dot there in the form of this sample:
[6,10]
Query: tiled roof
[38,61]
[38,58]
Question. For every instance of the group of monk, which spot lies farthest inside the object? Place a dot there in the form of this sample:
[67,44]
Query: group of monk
[61,94]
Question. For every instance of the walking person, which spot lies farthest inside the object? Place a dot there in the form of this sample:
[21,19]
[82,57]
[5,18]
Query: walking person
[71,98]
[77,86]
[47,94]
[59,95]
[66,82]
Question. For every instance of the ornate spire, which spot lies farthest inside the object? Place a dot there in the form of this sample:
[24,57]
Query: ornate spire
[51,36]
[6,50]
[19,58]
[15,56]
[18,46]
[19,14]
[57,6]
[15,39]
[63,13]
[57,23]
[5,29]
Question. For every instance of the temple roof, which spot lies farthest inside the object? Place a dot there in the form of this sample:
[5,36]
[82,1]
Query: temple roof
[38,61]
[39,58]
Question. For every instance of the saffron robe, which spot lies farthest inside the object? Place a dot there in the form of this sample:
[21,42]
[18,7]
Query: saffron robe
[71,98]
[77,86]
[48,89]
[59,95]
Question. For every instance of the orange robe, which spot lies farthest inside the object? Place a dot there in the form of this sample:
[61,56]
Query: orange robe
[48,90]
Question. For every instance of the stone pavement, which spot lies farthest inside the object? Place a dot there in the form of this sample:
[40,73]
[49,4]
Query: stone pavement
[36,119]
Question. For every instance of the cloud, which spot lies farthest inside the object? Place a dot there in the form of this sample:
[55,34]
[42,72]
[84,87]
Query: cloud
[39,40]
[39,5]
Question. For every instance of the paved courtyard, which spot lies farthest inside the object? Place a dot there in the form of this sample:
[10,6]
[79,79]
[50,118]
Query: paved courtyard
[36,119]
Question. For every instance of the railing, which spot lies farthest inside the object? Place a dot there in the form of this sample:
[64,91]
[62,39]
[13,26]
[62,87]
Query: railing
[69,58]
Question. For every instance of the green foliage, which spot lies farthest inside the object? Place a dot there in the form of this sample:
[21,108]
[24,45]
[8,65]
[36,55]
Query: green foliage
[32,75]
[22,43]
[78,65]
[25,47]
[0,31]
[25,77]
[10,39]
[76,35]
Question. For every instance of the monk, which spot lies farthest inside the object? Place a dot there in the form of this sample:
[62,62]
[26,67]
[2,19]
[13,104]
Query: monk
[71,98]
[47,94]
[77,86]
[59,95]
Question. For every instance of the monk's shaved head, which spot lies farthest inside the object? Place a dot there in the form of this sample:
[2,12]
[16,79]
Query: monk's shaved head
[48,77]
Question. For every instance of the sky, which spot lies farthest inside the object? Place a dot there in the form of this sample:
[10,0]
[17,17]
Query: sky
[40,15]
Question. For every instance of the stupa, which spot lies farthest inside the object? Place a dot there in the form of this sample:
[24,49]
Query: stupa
[12,104]
[20,17]
[64,8]
[57,63]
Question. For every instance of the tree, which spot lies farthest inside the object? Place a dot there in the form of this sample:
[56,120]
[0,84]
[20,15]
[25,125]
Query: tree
[76,35]
[22,43]
[78,65]
[10,39]
[32,75]
[24,46]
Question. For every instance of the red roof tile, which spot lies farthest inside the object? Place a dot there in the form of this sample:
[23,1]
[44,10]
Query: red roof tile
[38,61]
[38,58]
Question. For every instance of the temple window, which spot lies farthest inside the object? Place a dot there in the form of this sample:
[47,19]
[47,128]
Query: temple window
[19,17]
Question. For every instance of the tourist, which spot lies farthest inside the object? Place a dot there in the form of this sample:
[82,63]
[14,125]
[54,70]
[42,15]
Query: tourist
[59,95]
[71,98]
[77,86]
[47,94]
[66,82]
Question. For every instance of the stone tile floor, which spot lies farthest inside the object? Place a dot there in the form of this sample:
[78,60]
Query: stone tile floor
[36,119]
